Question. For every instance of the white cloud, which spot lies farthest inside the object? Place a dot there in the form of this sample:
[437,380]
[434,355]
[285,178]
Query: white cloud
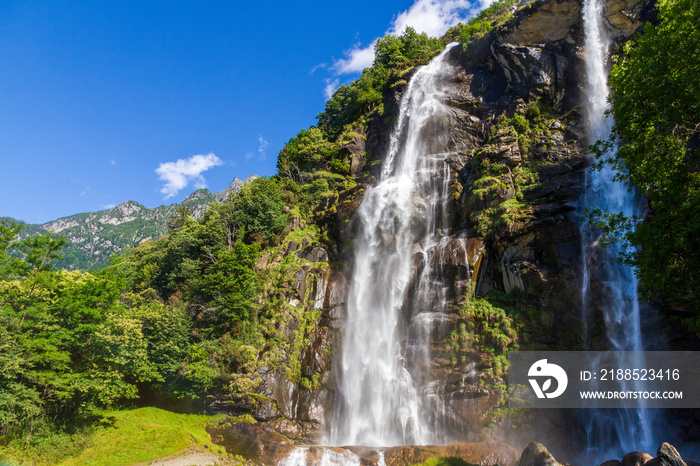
[315,68]
[108,206]
[262,147]
[358,58]
[113,162]
[331,87]
[177,175]
[433,17]
[248,155]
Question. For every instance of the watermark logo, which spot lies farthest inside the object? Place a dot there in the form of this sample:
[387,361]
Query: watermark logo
[543,370]
[604,379]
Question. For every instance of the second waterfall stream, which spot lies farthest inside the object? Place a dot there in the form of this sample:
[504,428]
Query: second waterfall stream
[609,432]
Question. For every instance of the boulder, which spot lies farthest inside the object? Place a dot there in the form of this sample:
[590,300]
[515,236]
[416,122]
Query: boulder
[536,454]
[252,442]
[636,458]
[667,455]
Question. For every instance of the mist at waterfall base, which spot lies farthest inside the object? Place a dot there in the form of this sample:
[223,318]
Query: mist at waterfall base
[614,432]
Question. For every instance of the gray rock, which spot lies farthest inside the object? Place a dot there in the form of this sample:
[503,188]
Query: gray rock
[636,458]
[536,454]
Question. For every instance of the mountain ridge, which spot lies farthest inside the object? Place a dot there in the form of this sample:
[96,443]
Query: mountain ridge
[93,237]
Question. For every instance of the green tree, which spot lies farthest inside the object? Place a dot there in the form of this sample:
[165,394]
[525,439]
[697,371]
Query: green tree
[231,286]
[656,105]
[392,51]
[260,209]
[306,151]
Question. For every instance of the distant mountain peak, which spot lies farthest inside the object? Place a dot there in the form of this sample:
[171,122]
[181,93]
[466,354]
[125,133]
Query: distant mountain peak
[95,236]
[234,187]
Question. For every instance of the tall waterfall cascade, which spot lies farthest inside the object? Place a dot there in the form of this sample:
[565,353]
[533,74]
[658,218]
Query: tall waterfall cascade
[391,306]
[609,432]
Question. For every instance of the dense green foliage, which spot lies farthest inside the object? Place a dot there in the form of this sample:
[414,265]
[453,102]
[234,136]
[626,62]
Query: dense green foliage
[304,152]
[74,342]
[481,24]
[392,51]
[69,344]
[197,313]
[487,328]
[350,102]
[656,105]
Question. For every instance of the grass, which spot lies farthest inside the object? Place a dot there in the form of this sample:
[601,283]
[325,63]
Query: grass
[122,438]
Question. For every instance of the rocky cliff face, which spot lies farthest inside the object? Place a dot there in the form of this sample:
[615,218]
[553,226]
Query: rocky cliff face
[94,237]
[517,150]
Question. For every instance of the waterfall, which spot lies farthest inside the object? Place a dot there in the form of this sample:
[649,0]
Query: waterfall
[610,433]
[396,296]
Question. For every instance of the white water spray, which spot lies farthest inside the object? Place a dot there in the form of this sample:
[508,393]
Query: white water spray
[610,433]
[396,296]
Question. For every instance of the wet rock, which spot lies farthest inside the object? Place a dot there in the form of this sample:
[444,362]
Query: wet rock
[333,315]
[536,454]
[253,442]
[472,453]
[611,463]
[636,458]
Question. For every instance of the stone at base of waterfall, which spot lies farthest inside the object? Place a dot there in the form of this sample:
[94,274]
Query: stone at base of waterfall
[253,442]
[536,454]
[667,455]
[485,454]
[636,458]
[482,453]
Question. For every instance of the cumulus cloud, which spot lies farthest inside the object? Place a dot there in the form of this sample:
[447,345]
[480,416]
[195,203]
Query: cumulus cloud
[433,17]
[113,162]
[177,175]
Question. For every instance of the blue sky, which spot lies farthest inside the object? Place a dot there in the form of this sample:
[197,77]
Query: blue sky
[104,102]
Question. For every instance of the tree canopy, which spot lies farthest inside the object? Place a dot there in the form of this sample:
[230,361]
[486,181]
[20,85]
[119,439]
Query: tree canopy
[656,104]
